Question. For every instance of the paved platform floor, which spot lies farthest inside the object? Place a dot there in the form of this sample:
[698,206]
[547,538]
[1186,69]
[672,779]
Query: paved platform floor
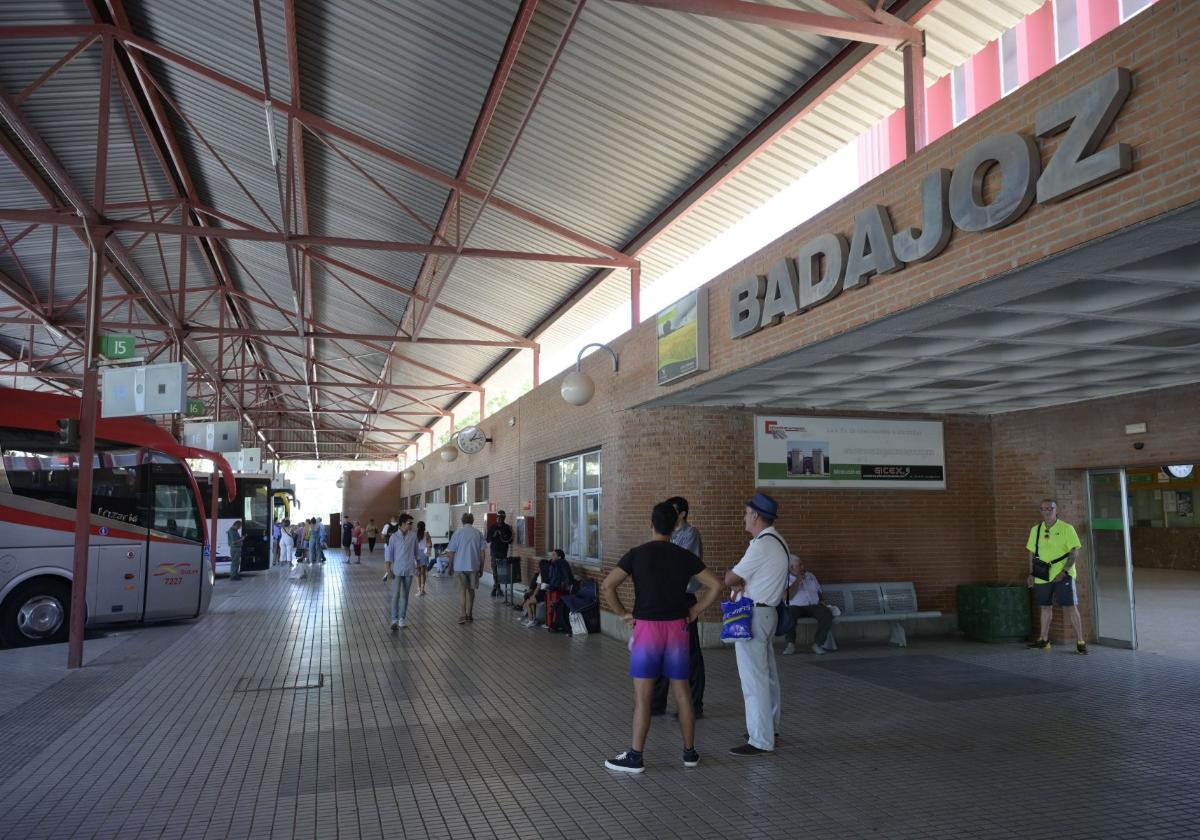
[291,711]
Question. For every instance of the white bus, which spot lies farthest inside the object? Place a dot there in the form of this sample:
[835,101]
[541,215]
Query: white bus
[148,547]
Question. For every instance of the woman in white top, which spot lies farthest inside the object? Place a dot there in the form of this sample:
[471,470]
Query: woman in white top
[287,546]
[424,547]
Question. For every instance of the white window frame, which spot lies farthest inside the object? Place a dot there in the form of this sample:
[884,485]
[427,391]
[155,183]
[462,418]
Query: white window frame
[1009,35]
[456,493]
[433,497]
[1059,55]
[1123,6]
[580,497]
[958,84]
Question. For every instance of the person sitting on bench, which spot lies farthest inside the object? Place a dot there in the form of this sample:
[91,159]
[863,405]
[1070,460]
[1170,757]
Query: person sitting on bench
[536,594]
[804,601]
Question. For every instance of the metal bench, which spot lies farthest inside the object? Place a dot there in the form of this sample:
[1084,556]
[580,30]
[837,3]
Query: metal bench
[861,602]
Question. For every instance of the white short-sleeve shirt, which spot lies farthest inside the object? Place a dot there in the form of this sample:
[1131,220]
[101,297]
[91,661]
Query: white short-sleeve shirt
[809,592]
[764,567]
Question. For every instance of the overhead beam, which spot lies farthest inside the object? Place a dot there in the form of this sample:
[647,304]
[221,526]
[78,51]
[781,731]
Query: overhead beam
[796,20]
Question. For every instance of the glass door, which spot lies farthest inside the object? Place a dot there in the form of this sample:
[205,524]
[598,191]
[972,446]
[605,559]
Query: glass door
[1112,567]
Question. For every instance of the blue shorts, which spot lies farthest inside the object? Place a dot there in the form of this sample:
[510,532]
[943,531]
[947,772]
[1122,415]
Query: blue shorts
[659,649]
[1062,592]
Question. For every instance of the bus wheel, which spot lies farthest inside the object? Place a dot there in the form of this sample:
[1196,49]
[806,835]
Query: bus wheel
[37,611]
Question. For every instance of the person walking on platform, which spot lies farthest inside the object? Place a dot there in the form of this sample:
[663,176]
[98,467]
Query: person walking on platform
[465,555]
[761,575]
[234,535]
[1053,547]
[372,535]
[347,536]
[658,646]
[424,547]
[314,542]
[400,560]
[287,545]
[356,538]
[686,535]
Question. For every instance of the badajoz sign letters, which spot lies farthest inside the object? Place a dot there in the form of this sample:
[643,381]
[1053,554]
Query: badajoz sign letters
[825,266]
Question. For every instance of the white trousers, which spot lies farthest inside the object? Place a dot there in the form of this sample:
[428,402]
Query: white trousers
[760,680]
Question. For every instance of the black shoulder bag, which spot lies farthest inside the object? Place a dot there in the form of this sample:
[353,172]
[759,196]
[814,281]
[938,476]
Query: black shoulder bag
[784,619]
[1040,568]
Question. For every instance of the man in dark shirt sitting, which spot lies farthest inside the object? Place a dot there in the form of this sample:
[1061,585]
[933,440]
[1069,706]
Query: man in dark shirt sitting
[659,621]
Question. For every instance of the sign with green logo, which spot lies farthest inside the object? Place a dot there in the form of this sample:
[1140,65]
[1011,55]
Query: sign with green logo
[118,346]
[195,408]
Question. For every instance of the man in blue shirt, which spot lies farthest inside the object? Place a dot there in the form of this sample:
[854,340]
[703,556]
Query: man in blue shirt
[400,561]
[465,553]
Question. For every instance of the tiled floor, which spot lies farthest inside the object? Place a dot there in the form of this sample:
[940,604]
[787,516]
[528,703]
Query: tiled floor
[214,729]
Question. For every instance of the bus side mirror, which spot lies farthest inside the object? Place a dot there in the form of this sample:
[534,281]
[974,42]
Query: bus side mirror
[68,432]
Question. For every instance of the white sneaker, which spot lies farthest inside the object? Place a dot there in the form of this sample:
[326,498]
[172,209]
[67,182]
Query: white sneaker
[789,649]
[402,623]
[818,650]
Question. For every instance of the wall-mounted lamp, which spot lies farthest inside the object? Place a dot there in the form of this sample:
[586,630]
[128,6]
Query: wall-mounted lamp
[449,453]
[408,475]
[577,387]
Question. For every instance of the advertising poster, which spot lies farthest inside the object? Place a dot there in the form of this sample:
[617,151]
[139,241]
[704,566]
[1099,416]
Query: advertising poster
[849,453]
[681,336]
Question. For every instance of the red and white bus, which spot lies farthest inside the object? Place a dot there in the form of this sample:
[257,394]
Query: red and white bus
[148,558]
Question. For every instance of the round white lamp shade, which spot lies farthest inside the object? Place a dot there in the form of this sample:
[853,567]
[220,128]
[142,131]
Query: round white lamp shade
[577,388]
[340,483]
[408,475]
[449,453]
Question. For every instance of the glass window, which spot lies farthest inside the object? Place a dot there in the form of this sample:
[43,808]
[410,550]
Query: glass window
[573,506]
[456,494]
[1009,76]
[958,87]
[175,510]
[36,467]
[482,488]
[1066,28]
[1129,8]
[414,501]
[433,497]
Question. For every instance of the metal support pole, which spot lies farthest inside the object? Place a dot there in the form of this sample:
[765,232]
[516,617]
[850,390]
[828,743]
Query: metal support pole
[635,296]
[914,96]
[482,402]
[537,364]
[87,448]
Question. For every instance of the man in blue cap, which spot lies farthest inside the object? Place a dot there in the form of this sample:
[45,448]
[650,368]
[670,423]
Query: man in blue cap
[760,575]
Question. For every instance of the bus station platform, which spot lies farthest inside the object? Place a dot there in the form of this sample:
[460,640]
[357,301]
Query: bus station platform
[291,711]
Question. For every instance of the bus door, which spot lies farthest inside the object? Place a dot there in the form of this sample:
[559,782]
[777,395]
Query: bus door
[254,495]
[175,567]
[117,559]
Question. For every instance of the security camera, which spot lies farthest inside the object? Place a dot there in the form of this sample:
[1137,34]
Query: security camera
[1139,445]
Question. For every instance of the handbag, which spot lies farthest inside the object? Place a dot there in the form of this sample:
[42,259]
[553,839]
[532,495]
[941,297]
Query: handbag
[578,625]
[737,618]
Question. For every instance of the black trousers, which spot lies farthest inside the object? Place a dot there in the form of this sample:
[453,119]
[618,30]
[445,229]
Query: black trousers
[695,676]
[821,613]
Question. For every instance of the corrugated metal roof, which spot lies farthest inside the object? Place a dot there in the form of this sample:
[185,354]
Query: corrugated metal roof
[641,104]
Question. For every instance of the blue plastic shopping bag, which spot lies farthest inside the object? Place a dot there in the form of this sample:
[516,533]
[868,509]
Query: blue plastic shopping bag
[737,618]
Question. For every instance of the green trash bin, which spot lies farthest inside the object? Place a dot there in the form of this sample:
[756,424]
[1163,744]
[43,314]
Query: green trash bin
[993,612]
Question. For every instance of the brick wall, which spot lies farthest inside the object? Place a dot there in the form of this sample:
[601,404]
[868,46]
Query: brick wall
[997,470]
[370,494]
[1047,452]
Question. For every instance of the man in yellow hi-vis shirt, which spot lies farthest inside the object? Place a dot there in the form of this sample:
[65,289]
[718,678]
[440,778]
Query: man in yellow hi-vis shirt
[1053,546]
